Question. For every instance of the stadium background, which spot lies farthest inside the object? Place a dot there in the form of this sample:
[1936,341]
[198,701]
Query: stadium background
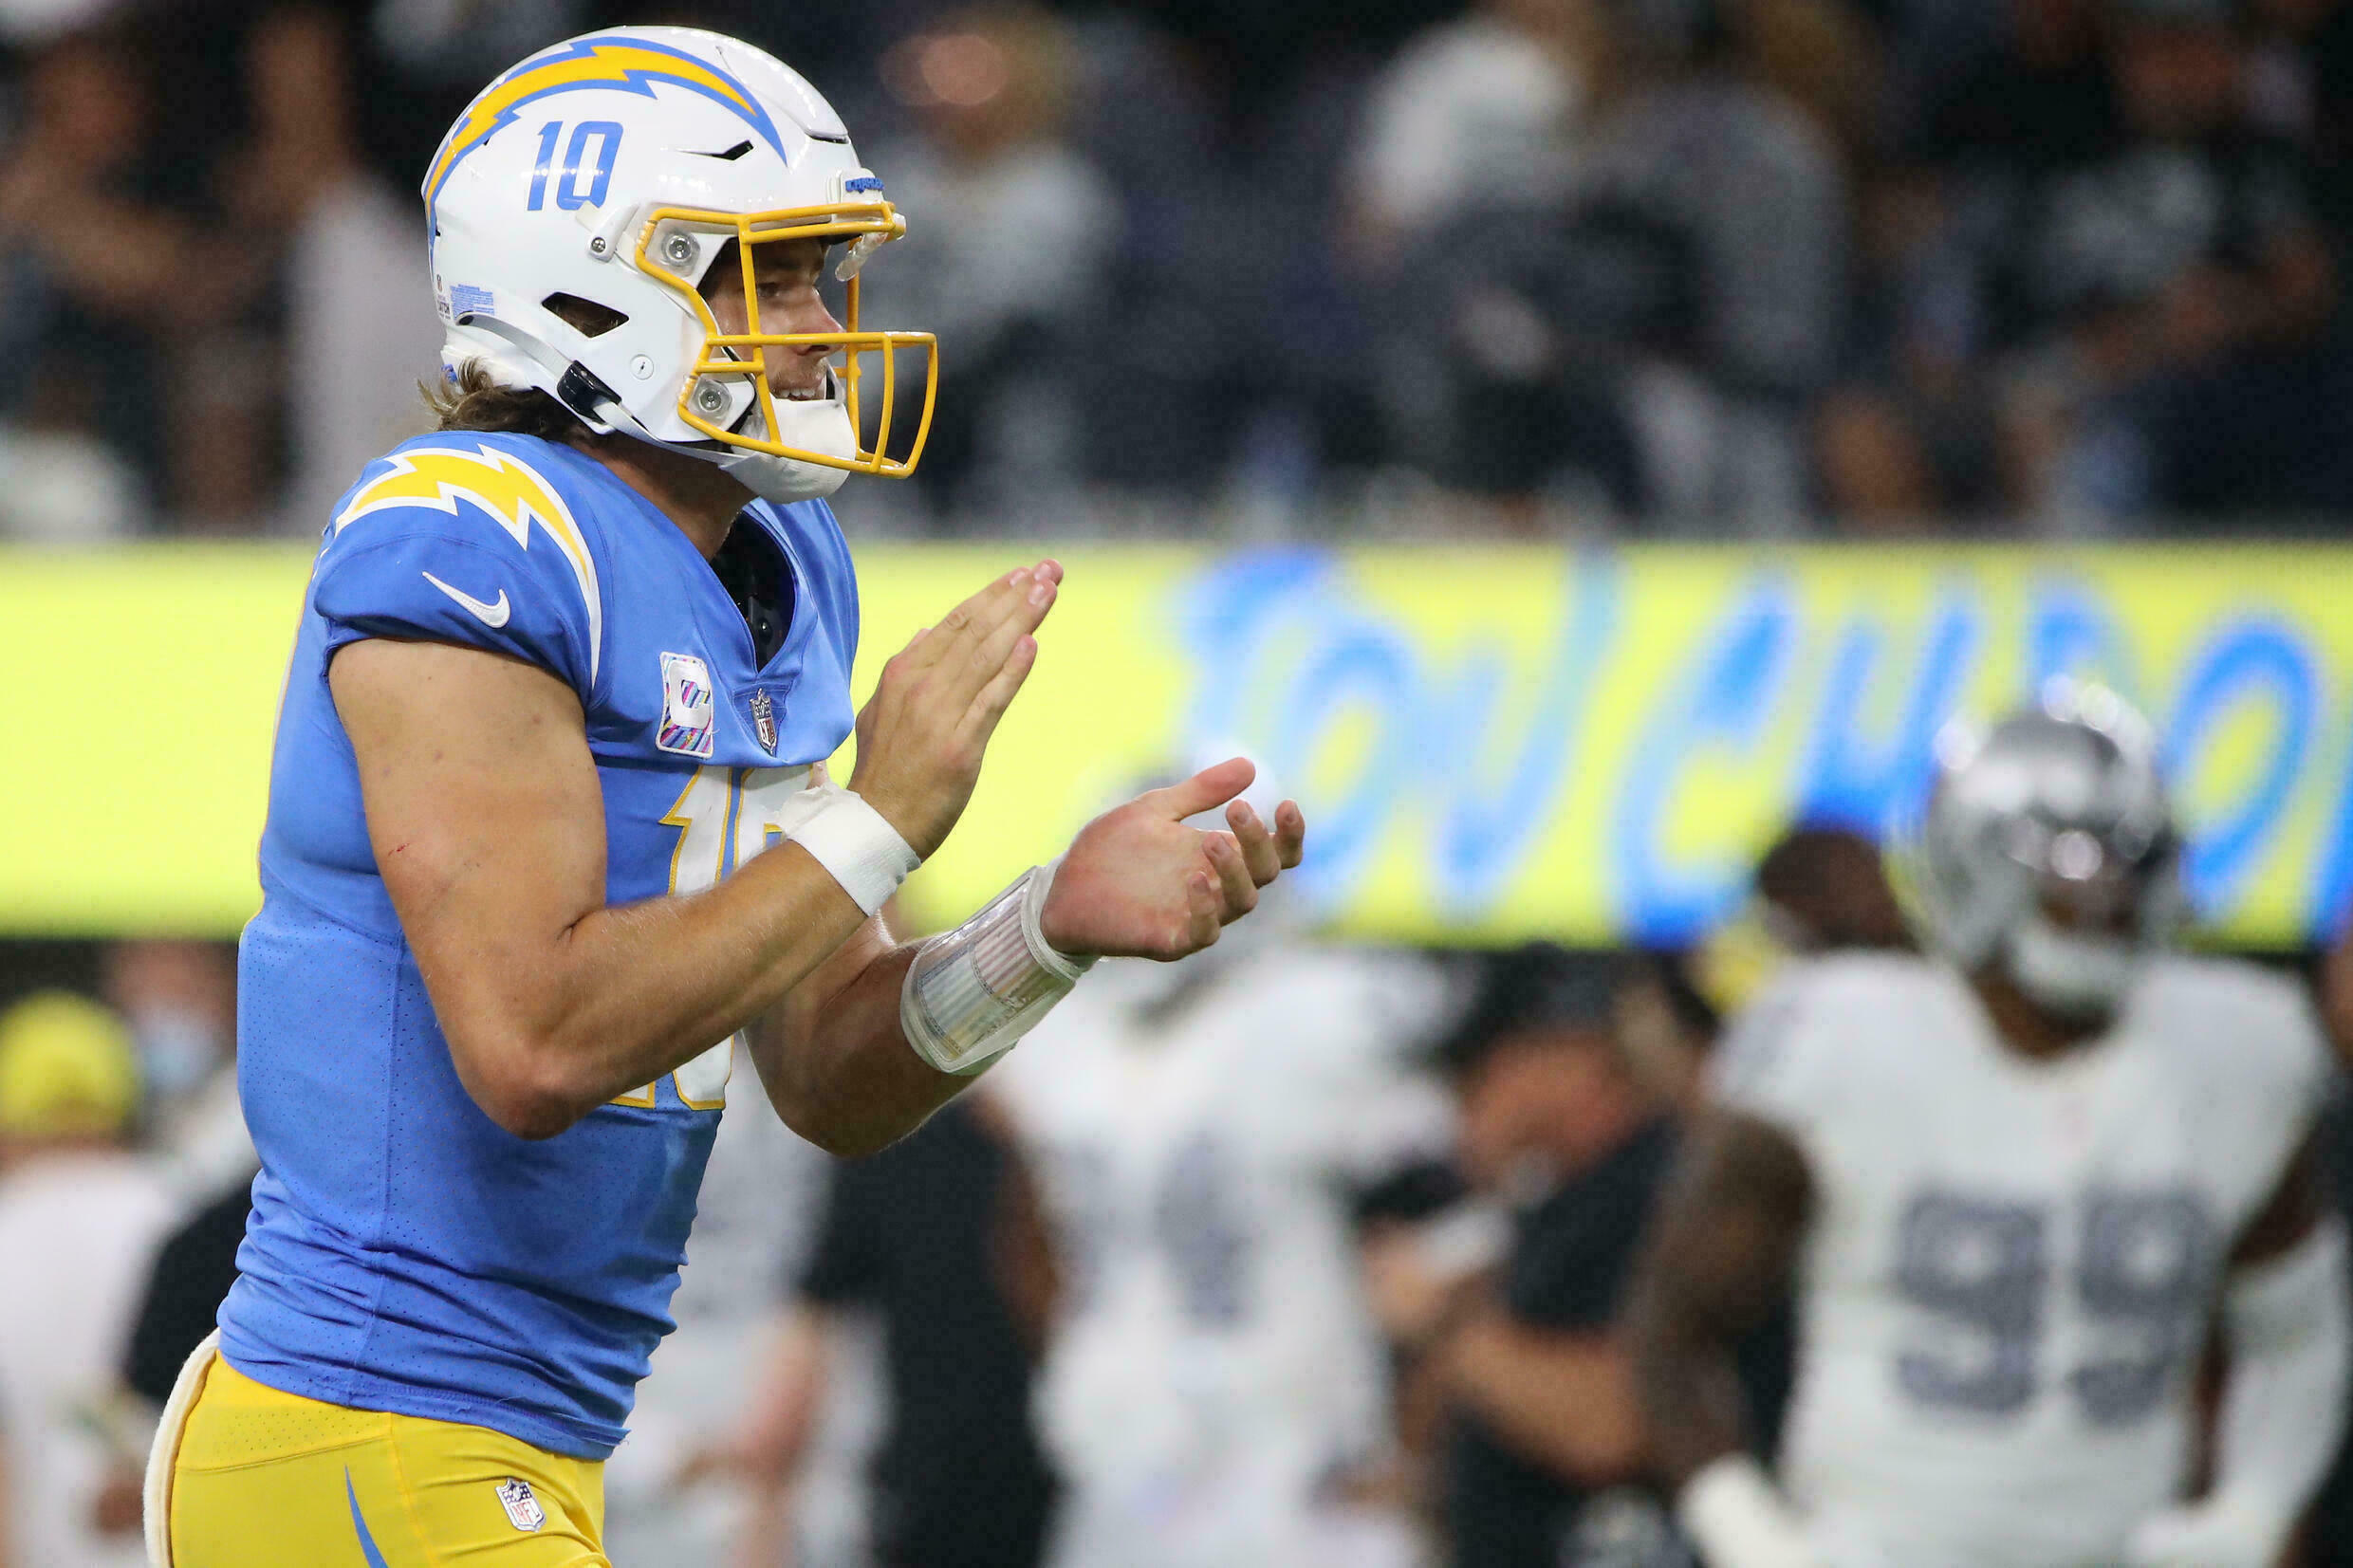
[1559,514]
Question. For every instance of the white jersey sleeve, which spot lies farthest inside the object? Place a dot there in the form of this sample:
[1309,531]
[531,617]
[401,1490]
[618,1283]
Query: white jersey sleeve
[2250,1042]
[1779,1062]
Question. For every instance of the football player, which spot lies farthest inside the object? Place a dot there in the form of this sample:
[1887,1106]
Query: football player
[1214,1380]
[551,842]
[2017,1181]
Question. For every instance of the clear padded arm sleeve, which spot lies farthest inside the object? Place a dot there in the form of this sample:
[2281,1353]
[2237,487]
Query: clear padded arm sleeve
[972,992]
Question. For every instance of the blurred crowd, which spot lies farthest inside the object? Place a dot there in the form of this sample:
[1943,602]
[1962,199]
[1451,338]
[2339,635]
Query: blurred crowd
[1288,1254]
[1719,266]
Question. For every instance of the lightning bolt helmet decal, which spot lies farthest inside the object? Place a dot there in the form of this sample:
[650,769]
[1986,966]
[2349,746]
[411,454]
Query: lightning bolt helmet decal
[632,65]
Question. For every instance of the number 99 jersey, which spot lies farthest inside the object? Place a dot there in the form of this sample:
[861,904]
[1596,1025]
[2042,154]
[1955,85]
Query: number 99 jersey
[2012,1264]
[406,1254]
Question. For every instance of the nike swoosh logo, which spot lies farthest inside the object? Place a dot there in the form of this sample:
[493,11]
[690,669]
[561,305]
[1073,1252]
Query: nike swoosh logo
[359,1521]
[492,616]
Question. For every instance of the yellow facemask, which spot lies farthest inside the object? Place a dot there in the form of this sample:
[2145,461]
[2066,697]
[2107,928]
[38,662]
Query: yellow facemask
[866,224]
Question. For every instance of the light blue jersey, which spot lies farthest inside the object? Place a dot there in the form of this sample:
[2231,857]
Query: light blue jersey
[405,1253]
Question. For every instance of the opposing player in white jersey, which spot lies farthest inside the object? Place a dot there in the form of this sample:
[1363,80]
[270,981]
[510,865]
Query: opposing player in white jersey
[2018,1181]
[1198,1133]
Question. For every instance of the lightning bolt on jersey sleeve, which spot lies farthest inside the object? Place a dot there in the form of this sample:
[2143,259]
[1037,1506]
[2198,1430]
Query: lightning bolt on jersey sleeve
[468,540]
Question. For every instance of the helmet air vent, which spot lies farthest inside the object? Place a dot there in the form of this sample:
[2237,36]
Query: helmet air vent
[731,153]
[586,317]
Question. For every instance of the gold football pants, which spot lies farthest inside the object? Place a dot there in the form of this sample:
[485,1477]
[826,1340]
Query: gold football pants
[261,1479]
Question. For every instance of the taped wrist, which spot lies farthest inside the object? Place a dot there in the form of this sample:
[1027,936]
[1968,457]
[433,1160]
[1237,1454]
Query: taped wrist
[1738,1519]
[853,842]
[972,992]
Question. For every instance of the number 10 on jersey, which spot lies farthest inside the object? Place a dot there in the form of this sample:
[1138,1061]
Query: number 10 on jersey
[724,816]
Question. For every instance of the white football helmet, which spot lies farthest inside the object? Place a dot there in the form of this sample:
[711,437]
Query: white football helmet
[614,169]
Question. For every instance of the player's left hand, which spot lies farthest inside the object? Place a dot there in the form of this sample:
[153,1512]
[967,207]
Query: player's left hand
[1139,883]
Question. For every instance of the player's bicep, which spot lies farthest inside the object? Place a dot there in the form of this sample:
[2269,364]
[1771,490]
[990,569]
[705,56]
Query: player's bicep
[2295,1206]
[484,815]
[1727,1231]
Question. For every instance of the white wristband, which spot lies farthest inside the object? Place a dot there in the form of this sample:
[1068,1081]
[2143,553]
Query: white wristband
[971,994]
[1737,1517]
[850,838]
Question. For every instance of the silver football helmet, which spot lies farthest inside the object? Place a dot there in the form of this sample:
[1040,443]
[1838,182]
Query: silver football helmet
[2046,849]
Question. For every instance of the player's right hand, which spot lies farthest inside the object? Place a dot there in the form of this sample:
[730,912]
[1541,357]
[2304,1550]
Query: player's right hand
[922,734]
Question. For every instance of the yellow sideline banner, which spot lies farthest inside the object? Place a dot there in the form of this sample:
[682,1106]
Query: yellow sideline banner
[1491,742]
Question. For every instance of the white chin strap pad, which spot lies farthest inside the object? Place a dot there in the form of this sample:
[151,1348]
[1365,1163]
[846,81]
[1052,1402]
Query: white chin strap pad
[819,427]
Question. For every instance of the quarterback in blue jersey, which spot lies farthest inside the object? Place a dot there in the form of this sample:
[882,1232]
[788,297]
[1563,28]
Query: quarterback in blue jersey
[552,848]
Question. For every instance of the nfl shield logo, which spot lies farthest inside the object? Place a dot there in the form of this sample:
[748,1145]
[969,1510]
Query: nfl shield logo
[522,1507]
[764,720]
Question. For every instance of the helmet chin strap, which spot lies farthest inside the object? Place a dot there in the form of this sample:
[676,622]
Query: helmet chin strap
[2075,976]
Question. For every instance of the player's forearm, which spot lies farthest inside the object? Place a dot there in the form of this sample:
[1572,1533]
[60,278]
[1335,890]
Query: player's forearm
[1566,1400]
[837,1066]
[630,992]
[1680,1333]
[1722,1242]
[1687,1387]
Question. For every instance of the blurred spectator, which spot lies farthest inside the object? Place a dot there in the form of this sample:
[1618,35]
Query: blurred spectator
[1916,437]
[1213,1390]
[360,326]
[938,1236]
[94,268]
[2201,289]
[2156,288]
[1008,231]
[1197,326]
[1650,340]
[1572,1074]
[1708,150]
[1478,127]
[1477,113]
[79,1218]
[754,1223]
[179,998]
[1544,1446]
